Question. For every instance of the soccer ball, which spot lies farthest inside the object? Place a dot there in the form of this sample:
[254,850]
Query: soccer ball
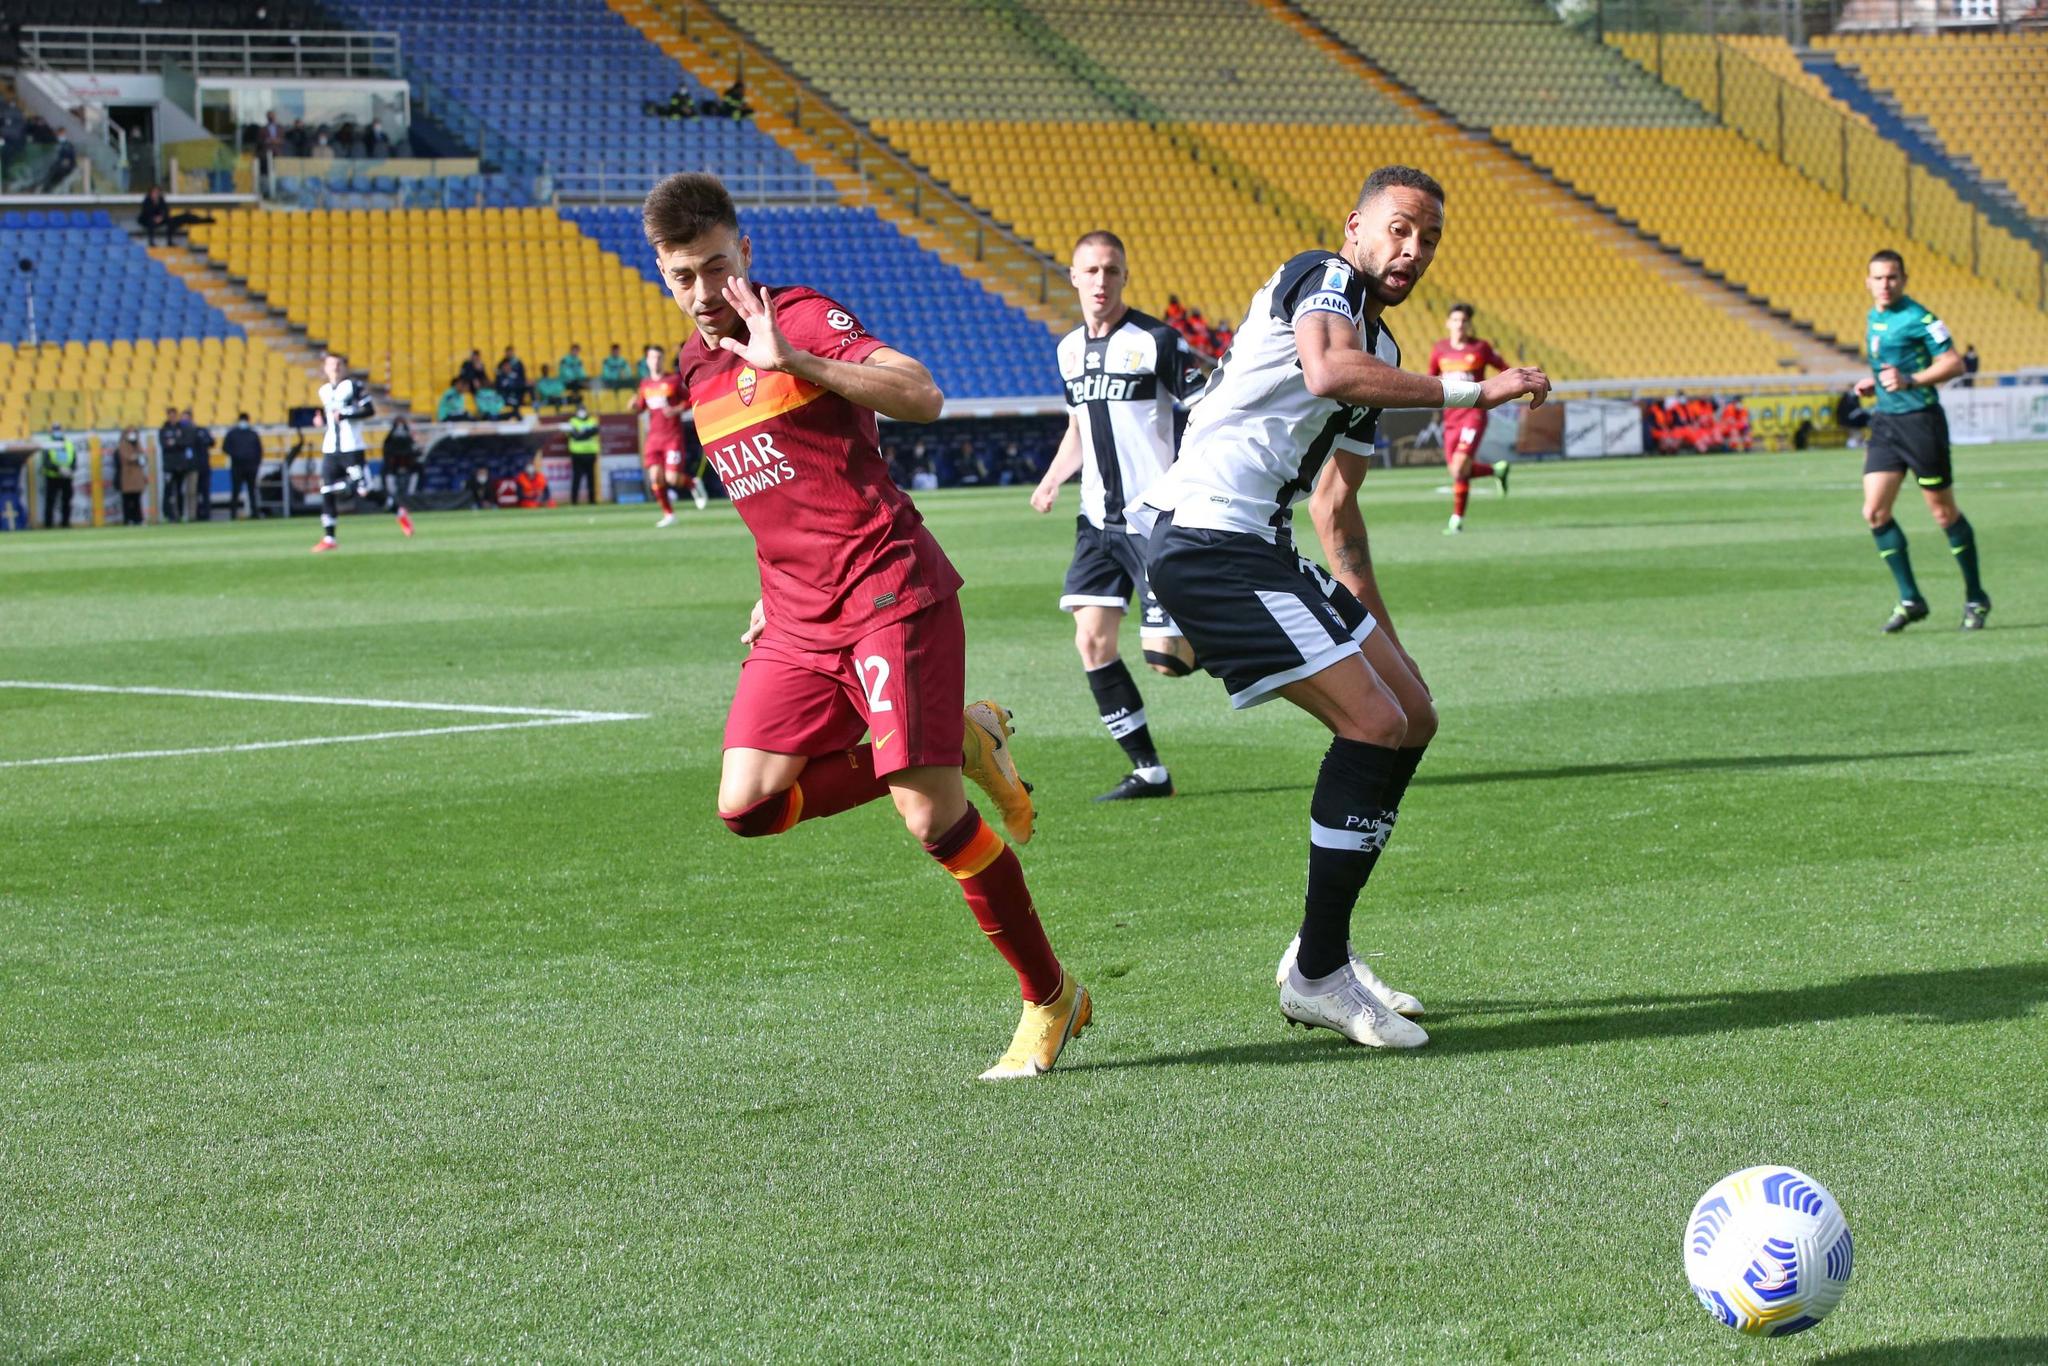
[1767,1251]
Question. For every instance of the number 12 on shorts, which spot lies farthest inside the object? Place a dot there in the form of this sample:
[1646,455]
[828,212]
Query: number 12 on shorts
[874,677]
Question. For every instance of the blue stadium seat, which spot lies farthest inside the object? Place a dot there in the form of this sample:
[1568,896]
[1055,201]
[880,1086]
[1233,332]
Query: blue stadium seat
[95,282]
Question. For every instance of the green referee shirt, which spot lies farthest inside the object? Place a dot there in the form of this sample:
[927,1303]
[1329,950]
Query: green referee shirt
[1907,337]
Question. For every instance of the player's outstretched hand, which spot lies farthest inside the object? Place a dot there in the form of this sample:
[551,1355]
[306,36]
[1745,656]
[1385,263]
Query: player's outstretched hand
[1042,498]
[1509,385]
[765,347]
[756,623]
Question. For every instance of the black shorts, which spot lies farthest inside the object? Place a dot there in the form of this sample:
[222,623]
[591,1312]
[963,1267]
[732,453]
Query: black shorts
[1258,615]
[335,465]
[1911,441]
[1108,566]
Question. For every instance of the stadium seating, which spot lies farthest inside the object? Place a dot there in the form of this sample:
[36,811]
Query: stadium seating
[132,14]
[976,345]
[1606,312]
[1490,62]
[1784,236]
[1686,61]
[117,383]
[1984,94]
[584,72]
[93,282]
[408,294]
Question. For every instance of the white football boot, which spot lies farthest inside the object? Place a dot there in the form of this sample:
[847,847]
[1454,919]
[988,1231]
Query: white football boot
[1347,1006]
[668,519]
[699,496]
[1401,1001]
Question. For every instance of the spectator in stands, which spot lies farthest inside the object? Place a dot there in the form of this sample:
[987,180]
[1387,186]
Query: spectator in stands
[1222,335]
[574,376]
[131,475]
[299,138]
[270,141]
[155,216]
[345,137]
[176,465]
[472,376]
[60,470]
[401,464]
[63,164]
[511,381]
[617,372]
[969,466]
[1198,334]
[39,131]
[1970,365]
[680,104]
[244,449]
[322,149]
[1176,312]
[490,404]
[376,142]
[480,490]
[586,443]
[451,408]
[550,391]
[199,445]
[734,104]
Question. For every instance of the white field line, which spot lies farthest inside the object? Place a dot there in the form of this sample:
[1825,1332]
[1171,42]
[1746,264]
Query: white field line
[534,717]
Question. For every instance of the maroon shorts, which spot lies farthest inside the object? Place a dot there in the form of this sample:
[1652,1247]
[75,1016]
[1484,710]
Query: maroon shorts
[1463,430]
[904,683]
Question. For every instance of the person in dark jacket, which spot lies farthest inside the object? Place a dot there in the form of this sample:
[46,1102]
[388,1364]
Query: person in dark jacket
[199,445]
[175,464]
[511,380]
[245,462]
[401,463]
[155,215]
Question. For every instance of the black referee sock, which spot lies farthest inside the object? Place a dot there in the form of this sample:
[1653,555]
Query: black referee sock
[1350,818]
[1123,712]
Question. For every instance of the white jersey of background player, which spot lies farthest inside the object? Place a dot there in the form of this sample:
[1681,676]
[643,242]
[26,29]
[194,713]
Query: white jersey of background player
[1123,372]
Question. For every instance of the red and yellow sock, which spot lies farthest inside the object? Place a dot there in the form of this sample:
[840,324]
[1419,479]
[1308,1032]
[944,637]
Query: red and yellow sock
[829,784]
[1461,490]
[993,882]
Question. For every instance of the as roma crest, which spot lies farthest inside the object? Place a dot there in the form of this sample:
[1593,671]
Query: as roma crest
[746,385]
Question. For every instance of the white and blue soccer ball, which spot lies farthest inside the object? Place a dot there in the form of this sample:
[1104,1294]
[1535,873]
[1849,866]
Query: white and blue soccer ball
[1768,1252]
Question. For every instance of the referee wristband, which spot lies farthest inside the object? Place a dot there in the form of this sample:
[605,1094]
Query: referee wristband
[1460,393]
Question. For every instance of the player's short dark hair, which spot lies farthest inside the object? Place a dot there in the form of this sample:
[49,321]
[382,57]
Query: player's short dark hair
[1893,257]
[1405,177]
[1465,309]
[684,207]
[1100,237]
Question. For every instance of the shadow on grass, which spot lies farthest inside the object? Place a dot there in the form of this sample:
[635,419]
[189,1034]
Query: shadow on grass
[1625,768]
[1949,997]
[1959,1351]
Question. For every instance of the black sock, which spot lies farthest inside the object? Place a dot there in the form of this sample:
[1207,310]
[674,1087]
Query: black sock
[1350,818]
[1406,761]
[1123,712]
[330,514]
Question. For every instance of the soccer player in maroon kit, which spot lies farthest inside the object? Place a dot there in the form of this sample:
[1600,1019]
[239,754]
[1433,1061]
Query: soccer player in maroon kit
[1464,356]
[858,629]
[662,398]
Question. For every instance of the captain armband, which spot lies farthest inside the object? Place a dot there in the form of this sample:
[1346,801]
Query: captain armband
[1460,393]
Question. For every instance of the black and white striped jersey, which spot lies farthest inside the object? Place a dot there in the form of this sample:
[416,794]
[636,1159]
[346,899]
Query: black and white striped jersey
[346,404]
[1256,437]
[1124,387]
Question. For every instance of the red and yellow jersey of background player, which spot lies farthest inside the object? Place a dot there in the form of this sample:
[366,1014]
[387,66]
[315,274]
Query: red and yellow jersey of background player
[1469,361]
[842,549]
[664,399]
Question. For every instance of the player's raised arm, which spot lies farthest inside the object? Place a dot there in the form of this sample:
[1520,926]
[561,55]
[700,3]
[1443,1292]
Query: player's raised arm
[886,380]
[1066,463]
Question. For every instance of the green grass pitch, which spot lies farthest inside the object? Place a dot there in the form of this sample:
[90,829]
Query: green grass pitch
[496,1045]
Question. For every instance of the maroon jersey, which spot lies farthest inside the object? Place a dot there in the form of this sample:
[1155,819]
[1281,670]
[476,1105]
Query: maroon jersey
[842,549]
[664,399]
[1469,361]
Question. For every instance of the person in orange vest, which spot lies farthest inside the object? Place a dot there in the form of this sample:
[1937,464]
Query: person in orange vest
[1735,425]
[533,487]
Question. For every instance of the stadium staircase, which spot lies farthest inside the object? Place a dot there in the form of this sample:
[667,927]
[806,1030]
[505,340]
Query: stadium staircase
[860,167]
[1917,138]
[259,320]
[1983,96]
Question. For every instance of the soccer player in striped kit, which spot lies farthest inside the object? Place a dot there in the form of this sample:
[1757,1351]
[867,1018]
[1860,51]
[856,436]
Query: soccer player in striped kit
[1123,372]
[858,630]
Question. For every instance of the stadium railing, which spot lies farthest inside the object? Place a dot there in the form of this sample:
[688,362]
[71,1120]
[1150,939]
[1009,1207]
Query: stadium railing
[615,187]
[1844,155]
[216,52]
